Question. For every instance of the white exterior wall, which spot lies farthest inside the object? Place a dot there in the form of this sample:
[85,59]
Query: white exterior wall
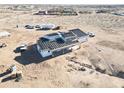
[83,39]
[76,47]
[44,53]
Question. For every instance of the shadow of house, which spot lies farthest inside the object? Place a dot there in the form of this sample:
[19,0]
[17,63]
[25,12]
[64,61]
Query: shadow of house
[33,56]
[29,56]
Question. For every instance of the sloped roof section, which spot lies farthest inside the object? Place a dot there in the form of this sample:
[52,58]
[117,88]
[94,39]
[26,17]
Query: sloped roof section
[78,32]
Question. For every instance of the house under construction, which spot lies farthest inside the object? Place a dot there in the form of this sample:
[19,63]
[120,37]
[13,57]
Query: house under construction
[61,42]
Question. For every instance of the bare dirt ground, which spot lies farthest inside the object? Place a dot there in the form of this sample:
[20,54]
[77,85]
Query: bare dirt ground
[87,67]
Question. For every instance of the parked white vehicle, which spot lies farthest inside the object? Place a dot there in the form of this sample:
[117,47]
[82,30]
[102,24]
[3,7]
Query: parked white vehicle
[91,34]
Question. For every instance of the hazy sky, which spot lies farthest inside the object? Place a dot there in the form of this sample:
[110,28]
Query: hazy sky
[61,1]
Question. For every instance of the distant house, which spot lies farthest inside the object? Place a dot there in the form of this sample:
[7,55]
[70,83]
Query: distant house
[85,12]
[57,11]
[60,43]
[48,27]
[119,14]
[53,12]
[41,13]
[29,27]
[103,11]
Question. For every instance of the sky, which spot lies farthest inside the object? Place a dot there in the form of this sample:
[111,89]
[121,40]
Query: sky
[61,1]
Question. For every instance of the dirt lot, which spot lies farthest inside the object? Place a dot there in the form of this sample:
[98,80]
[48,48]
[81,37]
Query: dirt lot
[90,66]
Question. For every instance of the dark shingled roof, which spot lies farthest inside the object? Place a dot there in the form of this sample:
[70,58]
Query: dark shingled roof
[52,34]
[78,32]
[59,43]
[51,45]
[68,34]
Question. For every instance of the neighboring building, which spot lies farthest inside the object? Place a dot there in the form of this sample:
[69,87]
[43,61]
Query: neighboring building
[57,11]
[60,43]
[41,13]
[47,26]
[53,12]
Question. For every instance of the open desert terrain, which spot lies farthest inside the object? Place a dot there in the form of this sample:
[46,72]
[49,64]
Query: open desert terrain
[98,63]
